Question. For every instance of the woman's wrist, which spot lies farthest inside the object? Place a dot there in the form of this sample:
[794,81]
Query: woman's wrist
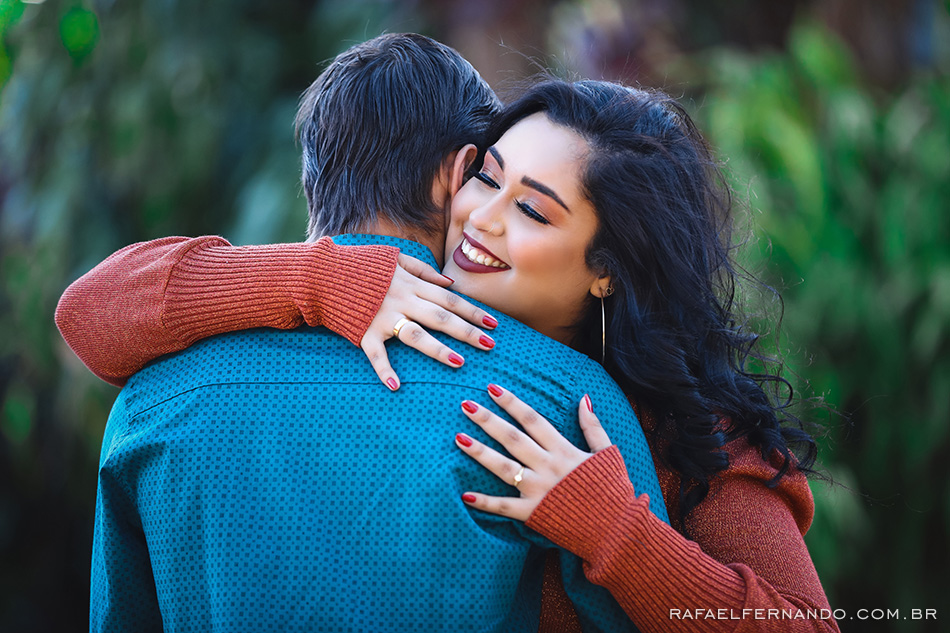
[347,287]
[586,506]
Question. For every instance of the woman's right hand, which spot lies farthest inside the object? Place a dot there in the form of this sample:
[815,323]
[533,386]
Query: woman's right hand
[418,293]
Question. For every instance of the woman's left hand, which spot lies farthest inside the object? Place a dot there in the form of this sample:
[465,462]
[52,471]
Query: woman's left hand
[547,457]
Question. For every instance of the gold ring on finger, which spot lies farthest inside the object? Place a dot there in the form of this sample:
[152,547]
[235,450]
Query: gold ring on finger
[399,325]
[519,477]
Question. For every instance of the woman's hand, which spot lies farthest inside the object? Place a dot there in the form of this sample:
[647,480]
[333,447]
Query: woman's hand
[545,455]
[417,297]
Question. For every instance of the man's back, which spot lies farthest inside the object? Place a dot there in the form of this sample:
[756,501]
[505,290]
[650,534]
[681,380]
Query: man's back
[278,485]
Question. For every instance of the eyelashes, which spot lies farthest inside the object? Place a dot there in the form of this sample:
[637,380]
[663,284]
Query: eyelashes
[523,207]
[488,180]
[531,213]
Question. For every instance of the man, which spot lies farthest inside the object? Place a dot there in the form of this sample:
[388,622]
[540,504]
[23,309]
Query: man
[264,480]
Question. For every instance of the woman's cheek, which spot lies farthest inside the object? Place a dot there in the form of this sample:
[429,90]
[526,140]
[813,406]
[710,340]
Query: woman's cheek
[527,252]
[462,205]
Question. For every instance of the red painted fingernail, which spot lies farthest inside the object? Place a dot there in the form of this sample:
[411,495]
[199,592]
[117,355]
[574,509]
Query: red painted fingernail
[486,341]
[392,384]
[588,403]
[489,321]
[495,390]
[469,406]
[451,281]
[468,498]
[463,439]
[456,360]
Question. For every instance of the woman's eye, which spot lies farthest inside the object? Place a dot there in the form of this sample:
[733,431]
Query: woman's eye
[531,213]
[487,179]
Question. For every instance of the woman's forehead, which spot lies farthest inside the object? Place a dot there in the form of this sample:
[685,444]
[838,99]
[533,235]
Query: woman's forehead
[536,143]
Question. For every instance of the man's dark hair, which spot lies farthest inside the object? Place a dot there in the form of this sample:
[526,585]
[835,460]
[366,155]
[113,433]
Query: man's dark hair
[376,126]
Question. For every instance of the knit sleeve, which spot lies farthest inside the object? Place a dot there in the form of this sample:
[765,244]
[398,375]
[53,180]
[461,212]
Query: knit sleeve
[158,297]
[747,570]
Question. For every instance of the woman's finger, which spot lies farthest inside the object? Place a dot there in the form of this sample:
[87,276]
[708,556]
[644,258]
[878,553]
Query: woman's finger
[521,447]
[423,271]
[594,433]
[438,309]
[535,425]
[457,305]
[415,336]
[514,473]
[511,507]
[376,353]
[436,316]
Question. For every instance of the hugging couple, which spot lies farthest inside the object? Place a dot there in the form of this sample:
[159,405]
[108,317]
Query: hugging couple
[270,470]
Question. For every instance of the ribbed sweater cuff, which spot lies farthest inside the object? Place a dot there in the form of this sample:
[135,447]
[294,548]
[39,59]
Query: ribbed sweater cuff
[354,282]
[224,288]
[647,565]
[587,504]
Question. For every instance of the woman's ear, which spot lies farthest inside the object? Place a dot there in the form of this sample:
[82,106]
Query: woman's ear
[463,160]
[602,287]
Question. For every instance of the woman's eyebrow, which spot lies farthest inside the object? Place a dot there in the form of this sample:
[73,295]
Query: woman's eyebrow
[537,186]
[498,158]
[530,182]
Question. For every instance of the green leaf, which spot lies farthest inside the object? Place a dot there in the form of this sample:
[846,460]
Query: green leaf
[79,30]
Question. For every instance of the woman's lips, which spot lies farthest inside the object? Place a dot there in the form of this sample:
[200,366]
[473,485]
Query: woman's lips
[475,258]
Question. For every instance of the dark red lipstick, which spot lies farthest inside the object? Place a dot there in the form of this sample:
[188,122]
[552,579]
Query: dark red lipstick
[468,265]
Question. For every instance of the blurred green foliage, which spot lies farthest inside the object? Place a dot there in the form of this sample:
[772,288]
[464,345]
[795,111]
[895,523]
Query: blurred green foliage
[124,121]
[127,121]
[850,192]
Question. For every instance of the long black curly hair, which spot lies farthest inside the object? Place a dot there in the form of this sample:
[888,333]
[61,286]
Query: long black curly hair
[676,341]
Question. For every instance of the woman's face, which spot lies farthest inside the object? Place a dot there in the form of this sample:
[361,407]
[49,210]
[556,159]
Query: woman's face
[520,228]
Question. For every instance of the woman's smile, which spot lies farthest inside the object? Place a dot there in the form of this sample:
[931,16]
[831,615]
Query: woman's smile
[475,258]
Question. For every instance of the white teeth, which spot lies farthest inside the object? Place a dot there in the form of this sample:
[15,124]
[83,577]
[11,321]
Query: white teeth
[473,254]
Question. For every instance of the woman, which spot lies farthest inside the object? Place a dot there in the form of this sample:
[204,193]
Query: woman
[673,346]
[600,219]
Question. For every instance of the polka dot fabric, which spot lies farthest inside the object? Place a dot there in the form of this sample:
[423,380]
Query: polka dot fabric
[266,481]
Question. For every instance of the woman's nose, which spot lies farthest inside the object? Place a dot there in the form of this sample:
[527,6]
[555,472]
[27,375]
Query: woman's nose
[488,221]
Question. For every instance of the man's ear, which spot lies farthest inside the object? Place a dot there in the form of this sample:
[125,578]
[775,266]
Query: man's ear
[463,160]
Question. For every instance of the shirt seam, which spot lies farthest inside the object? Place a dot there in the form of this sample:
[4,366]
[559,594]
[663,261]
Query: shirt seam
[184,392]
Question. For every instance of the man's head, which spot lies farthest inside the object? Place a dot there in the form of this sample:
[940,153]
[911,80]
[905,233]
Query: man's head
[376,128]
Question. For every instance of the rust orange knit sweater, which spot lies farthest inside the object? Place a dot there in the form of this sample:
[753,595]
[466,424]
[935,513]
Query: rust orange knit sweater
[746,569]
[154,298]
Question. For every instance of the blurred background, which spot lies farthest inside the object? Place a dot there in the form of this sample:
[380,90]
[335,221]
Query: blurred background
[127,121]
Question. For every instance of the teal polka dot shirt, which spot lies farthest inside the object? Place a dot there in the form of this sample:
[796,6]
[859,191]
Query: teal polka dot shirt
[267,481]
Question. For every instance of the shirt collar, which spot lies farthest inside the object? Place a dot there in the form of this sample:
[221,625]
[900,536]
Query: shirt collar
[408,247]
